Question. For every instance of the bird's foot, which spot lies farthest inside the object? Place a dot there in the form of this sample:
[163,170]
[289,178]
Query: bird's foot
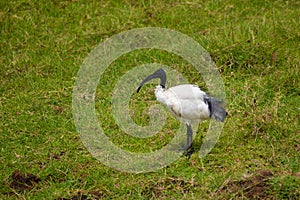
[189,152]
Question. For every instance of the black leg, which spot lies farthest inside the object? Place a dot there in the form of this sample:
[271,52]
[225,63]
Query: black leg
[189,140]
[189,134]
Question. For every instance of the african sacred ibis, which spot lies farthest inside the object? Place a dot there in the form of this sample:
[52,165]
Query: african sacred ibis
[187,102]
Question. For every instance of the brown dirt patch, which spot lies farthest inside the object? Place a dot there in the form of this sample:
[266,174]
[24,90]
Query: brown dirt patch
[253,187]
[23,181]
[157,188]
[80,195]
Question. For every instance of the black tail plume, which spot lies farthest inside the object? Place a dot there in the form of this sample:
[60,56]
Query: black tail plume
[216,108]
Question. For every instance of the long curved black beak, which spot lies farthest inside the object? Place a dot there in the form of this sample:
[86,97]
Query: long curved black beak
[160,73]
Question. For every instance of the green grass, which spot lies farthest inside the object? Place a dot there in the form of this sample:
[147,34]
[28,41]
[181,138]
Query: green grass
[255,45]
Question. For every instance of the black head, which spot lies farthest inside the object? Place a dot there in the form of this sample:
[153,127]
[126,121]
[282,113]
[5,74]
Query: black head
[160,73]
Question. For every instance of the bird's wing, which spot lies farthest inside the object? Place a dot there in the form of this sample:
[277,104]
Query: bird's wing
[187,91]
[187,102]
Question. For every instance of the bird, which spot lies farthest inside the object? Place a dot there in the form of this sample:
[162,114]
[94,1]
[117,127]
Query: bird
[188,103]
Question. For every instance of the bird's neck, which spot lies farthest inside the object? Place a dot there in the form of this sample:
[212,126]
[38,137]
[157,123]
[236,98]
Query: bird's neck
[159,88]
[160,95]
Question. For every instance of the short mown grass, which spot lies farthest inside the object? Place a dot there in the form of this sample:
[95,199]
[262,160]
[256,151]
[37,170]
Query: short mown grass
[255,45]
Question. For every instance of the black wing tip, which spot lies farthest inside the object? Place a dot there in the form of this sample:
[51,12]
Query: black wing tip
[219,117]
[216,109]
[222,119]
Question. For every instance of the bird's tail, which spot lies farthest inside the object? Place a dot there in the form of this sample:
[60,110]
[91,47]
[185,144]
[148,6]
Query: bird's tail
[216,108]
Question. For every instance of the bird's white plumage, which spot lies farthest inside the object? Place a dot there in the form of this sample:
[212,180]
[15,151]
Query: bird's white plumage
[186,102]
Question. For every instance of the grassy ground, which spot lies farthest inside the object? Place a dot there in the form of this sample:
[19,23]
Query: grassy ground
[256,46]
